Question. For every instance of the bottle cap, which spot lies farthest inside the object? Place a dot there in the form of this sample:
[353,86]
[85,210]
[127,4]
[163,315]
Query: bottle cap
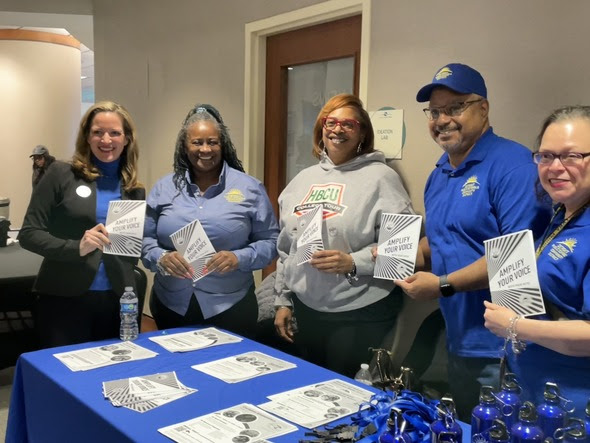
[128,288]
[528,412]
[498,430]
[364,366]
[486,395]
[551,392]
[510,383]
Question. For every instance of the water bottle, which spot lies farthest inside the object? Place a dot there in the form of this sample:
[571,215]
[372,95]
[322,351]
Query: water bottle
[129,329]
[509,397]
[525,430]
[364,375]
[396,426]
[498,433]
[587,421]
[484,414]
[551,413]
[446,428]
[574,432]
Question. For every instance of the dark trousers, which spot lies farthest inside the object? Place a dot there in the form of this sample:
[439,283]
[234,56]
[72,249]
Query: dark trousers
[340,341]
[68,320]
[466,377]
[241,318]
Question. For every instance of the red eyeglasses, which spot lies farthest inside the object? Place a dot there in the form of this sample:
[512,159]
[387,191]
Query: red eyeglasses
[347,124]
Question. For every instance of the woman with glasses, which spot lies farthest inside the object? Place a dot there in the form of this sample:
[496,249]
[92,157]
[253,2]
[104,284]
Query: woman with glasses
[78,288]
[557,345]
[341,309]
[209,185]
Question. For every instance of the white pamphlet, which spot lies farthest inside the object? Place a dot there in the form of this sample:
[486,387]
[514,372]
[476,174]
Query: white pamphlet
[124,223]
[240,423]
[310,239]
[145,393]
[397,248]
[315,405]
[192,243]
[193,340]
[243,367]
[512,272]
[106,355]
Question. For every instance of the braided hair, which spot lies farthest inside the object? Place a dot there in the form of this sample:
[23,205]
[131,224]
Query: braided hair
[202,112]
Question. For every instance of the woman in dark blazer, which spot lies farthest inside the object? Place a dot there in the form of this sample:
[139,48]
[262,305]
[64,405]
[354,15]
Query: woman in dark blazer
[78,288]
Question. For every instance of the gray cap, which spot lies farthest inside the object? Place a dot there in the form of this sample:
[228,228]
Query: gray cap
[39,150]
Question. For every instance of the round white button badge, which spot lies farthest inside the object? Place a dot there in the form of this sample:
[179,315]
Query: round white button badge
[83,191]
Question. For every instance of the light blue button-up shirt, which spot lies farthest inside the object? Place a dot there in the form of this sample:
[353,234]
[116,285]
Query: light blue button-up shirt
[236,215]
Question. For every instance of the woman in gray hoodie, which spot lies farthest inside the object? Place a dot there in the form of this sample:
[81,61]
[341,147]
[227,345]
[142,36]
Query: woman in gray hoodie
[341,309]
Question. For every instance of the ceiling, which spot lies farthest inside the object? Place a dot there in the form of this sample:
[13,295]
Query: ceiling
[86,59]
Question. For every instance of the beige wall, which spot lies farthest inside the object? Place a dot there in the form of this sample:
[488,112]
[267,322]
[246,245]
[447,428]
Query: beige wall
[160,60]
[39,104]
[532,54]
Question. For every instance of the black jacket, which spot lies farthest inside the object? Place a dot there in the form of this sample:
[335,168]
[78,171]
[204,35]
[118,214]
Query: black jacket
[59,213]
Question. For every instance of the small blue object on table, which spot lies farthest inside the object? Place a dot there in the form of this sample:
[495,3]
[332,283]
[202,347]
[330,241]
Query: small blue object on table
[50,403]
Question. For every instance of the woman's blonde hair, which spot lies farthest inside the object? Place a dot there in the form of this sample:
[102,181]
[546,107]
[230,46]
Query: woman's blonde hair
[345,101]
[82,159]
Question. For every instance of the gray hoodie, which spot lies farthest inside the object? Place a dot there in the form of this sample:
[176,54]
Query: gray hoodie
[354,195]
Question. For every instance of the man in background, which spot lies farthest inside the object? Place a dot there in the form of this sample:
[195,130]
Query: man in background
[41,162]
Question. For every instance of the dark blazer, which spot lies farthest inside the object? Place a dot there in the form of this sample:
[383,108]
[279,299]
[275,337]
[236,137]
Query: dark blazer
[62,208]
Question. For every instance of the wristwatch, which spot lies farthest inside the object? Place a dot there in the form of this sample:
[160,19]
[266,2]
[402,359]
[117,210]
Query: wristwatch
[446,289]
[351,276]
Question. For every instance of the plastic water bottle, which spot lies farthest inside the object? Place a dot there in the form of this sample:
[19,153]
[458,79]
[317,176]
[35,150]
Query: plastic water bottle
[526,430]
[552,415]
[364,375]
[509,397]
[129,329]
[485,412]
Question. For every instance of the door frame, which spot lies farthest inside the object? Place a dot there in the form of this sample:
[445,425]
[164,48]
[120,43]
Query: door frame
[255,65]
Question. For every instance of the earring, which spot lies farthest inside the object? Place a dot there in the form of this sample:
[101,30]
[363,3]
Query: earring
[359,148]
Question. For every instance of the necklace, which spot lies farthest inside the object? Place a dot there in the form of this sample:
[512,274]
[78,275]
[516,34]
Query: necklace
[548,238]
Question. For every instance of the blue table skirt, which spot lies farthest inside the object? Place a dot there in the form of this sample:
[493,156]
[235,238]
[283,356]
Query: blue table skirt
[50,403]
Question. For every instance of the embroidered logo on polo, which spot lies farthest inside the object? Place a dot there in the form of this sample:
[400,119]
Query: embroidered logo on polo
[443,73]
[330,195]
[561,249]
[470,186]
[234,196]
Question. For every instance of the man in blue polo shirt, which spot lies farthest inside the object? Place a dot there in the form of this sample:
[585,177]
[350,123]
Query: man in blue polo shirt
[483,186]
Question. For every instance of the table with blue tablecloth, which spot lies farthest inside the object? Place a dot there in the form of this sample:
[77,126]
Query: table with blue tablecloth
[50,403]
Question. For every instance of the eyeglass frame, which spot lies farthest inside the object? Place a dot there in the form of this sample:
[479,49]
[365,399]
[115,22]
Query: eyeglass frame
[338,122]
[577,159]
[462,106]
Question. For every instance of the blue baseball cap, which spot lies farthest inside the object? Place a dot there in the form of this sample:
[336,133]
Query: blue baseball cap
[457,77]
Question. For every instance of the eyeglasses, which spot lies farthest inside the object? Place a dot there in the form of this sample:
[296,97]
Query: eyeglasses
[347,124]
[452,110]
[567,158]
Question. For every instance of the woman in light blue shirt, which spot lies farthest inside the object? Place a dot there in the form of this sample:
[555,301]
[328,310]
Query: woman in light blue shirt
[208,184]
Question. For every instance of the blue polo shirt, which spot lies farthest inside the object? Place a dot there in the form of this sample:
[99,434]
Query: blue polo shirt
[236,215]
[564,277]
[491,193]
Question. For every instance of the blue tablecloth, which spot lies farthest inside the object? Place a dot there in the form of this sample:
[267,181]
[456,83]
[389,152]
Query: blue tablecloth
[50,403]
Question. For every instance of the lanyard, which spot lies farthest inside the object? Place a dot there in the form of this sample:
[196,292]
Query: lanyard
[548,238]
